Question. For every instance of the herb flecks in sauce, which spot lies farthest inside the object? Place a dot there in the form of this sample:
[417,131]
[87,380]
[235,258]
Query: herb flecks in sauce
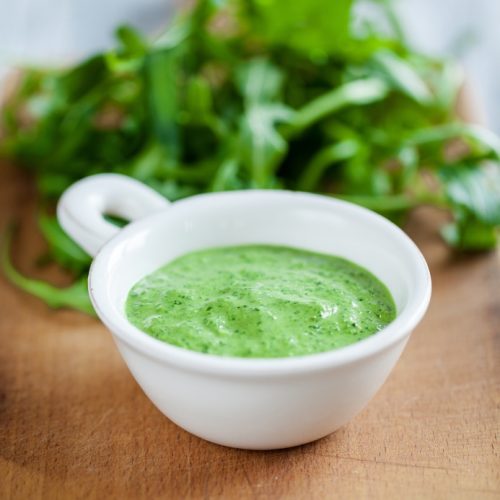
[260,301]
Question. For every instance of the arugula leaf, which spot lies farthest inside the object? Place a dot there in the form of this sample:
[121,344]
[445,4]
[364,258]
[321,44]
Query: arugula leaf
[161,72]
[132,43]
[314,170]
[470,234]
[199,103]
[403,76]
[75,296]
[308,26]
[226,177]
[74,84]
[64,250]
[355,93]
[475,190]
[474,194]
[259,81]
[262,147]
[447,84]
[475,134]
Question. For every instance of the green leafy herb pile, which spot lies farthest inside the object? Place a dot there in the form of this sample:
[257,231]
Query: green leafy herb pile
[259,94]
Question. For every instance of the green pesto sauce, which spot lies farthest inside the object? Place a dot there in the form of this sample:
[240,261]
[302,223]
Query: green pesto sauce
[260,301]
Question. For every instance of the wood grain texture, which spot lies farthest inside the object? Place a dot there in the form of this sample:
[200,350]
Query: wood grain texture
[74,424]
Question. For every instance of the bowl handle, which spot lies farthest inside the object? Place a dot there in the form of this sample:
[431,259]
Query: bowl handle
[82,207]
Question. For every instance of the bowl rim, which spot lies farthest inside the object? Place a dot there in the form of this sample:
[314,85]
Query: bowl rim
[158,350]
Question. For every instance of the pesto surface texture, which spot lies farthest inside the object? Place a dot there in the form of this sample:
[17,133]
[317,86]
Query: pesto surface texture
[260,301]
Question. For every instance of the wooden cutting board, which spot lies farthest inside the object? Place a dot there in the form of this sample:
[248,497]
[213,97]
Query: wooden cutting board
[74,424]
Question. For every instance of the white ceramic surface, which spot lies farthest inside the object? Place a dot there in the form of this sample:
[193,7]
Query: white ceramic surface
[244,403]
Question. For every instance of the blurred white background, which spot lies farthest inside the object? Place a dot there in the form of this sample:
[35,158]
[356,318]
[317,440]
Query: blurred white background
[58,31]
[468,30]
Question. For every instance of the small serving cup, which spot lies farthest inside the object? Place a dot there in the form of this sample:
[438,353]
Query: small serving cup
[242,402]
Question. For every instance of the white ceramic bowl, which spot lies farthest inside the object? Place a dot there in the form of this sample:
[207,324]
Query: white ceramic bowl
[244,403]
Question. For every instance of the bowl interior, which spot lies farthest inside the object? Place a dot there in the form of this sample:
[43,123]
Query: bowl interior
[274,217]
